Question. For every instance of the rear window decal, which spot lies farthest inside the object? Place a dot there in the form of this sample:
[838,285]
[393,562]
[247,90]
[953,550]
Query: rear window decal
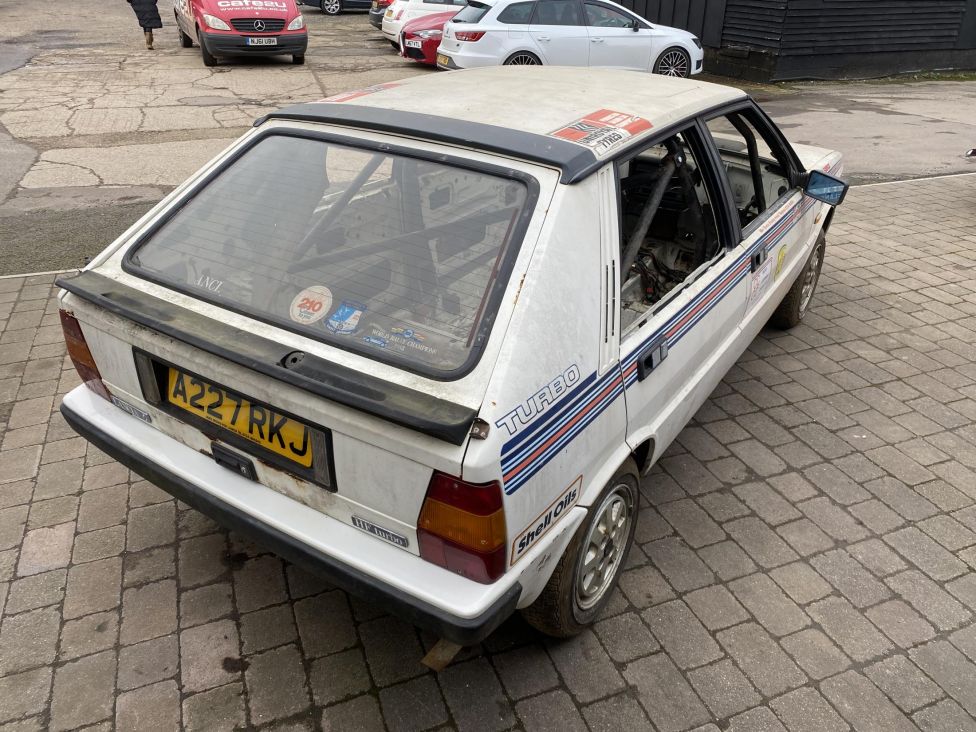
[311,305]
[603,130]
[345,320]
[357,93]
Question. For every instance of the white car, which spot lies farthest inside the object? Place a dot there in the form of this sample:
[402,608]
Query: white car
[430,354]
[565,33]
[402,11]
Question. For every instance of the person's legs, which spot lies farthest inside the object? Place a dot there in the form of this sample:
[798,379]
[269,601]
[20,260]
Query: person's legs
[149,37]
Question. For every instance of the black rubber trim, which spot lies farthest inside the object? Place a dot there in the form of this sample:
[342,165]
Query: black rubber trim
[464,631]
[407,407]
[575,161]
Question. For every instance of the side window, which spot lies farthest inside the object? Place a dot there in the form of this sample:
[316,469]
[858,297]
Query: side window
[758,174]
[667,225]
[602,16]
[516,14]
[557,12]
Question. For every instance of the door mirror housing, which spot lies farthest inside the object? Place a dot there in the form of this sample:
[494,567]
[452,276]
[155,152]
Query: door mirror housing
[635,25]
[825,188]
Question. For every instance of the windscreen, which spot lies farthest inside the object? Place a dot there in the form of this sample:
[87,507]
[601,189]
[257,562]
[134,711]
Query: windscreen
[392,256]
[471,13]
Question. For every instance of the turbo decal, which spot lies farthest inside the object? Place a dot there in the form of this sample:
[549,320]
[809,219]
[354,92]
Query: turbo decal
[540,401]
[378,531]
[540,526]
[603,130]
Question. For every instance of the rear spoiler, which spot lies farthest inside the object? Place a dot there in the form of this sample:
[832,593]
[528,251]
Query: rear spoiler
[404,406]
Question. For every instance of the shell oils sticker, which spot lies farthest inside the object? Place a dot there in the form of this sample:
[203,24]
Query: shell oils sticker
[546,520]
[603,130]
[357,93]
[780,259]
[311,305]
[345,320]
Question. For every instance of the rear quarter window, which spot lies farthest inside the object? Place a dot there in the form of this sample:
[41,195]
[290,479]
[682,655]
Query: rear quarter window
[399,258]
[517,14]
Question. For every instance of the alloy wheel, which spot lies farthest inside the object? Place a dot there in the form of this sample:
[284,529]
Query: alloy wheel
[604,547]
[673,63]
[523,59]
[331,7]
[810,278]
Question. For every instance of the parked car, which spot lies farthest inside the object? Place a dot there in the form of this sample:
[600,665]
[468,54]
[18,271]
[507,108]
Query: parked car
[376,12]
[334,7]
[420,37]
[429,351]
[565,33]
[401,11]
[242,28]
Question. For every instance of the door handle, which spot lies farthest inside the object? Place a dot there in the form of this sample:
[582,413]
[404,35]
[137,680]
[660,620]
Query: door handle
[542,38]
[758,258]
[596,40]
[651,356]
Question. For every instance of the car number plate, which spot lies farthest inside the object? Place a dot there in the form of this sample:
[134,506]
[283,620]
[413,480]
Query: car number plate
[262,41]
[413,43]
[256,423]
[442,59]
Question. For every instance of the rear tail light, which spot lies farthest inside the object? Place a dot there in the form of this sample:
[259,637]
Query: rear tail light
[399,13]
[462,528]
[81,356]
[468,35]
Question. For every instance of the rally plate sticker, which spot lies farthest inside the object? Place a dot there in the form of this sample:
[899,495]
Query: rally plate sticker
[603,130]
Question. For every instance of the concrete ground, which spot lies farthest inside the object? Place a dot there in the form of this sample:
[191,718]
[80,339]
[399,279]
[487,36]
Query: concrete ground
[804,558]
[94,128]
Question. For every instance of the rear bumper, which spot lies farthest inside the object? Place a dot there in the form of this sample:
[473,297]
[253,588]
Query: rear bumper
[239,504]
[376,17]
[231,44]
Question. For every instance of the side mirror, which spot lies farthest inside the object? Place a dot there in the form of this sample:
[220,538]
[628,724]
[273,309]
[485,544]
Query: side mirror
[825,188]
[635,25]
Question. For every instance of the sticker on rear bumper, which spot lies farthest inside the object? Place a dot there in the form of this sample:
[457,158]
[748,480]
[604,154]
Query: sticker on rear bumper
[379,531]
[546,520]
[134,411]
[603,130]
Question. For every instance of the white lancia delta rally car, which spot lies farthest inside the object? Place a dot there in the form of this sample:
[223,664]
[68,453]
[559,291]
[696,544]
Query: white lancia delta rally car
[428,350]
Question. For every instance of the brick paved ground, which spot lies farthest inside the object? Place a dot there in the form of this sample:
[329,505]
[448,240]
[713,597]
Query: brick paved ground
[804,557]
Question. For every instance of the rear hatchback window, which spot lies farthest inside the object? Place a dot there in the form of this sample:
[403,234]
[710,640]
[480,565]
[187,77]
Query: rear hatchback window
[395,257]
[471,13]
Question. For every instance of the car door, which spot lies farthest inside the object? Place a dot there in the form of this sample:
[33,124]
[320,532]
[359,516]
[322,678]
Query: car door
[758,169]
[558,33]
[681,283]
[615,41]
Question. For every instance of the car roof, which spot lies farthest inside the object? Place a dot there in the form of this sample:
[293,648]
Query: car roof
[532,112]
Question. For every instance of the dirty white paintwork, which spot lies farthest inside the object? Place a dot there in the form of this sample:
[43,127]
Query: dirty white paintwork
[553,383]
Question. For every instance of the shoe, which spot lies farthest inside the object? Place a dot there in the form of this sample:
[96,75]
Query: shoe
[149,40]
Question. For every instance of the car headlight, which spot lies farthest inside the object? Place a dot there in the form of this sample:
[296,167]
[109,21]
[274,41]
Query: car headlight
[215,23]
[694,39]
[298,23]
[429,34]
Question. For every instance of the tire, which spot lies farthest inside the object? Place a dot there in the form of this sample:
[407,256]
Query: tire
[185,40]
[565,607]
[298,60]
[330,7]
[522,58]
[673,61]
[208,58]
[396,46]
[794,306]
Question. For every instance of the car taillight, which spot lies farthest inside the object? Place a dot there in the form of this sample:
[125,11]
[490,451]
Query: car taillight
[399,13]
[80,355]
[462,527]
[468,35]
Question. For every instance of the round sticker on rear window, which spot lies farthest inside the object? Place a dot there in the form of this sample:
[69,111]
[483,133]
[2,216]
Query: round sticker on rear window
[311,305]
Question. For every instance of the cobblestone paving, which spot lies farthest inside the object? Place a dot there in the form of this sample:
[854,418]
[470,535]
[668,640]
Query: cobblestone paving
[804,556]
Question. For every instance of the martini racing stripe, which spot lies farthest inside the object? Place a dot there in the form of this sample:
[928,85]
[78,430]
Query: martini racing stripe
[520,465]
[526,454]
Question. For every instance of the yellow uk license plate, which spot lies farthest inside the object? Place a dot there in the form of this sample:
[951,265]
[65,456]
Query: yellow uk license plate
[259,424]
[442,59]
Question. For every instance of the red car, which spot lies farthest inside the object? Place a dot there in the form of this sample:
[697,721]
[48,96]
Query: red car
[242,28]
[420,37]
